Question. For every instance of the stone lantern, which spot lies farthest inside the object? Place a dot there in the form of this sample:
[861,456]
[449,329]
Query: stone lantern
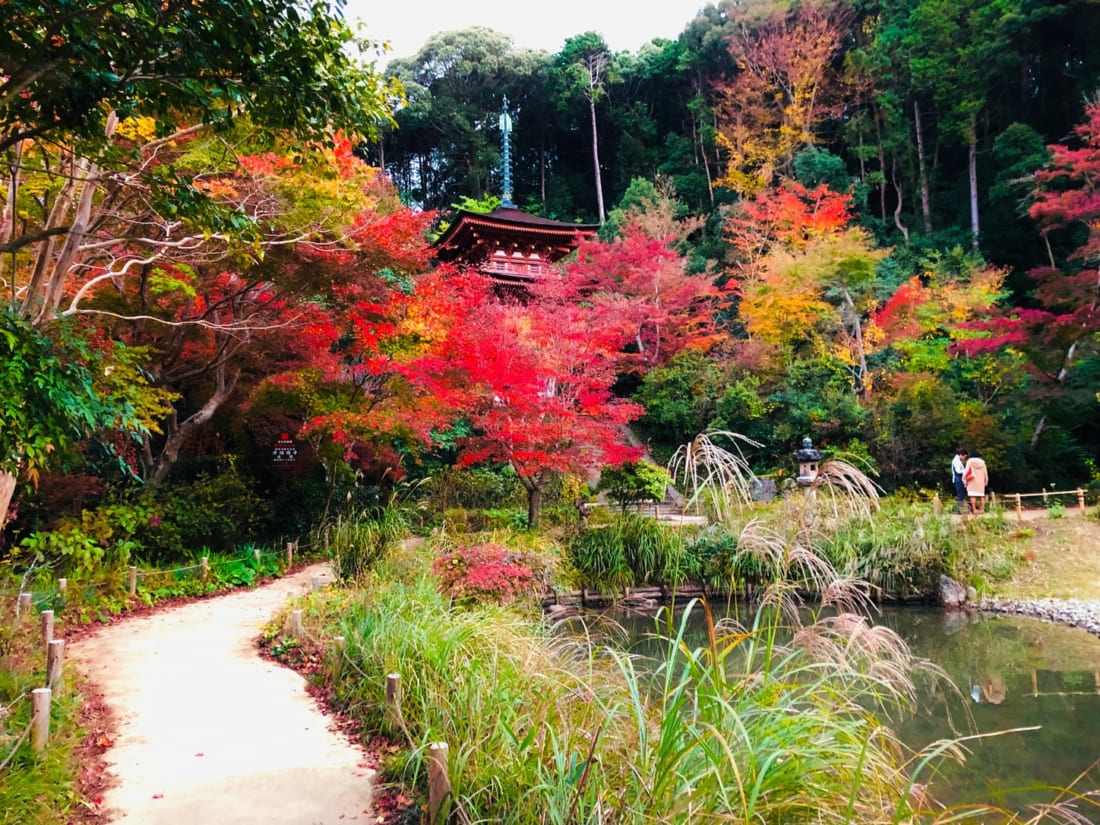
[808,460]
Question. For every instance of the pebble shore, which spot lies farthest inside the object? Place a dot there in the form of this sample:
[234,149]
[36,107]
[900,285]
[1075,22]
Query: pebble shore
[1073,612]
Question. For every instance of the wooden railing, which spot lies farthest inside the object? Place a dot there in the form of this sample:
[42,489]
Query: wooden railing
[1046,495]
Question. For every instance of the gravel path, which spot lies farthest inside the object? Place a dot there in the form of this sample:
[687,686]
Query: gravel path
[207,731]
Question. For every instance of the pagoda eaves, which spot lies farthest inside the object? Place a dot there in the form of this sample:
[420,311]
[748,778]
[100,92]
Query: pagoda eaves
[509,245]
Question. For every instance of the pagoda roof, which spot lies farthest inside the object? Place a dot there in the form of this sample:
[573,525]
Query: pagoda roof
[474,236]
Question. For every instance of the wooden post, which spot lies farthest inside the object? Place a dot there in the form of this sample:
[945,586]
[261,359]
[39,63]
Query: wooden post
[40,718]
[296,629]
[55,661]
[1019,508]
[1081,500]
[1044,495]
[256,554]
[315,583]
[340,643]
[205,568]
[937,505]
[439,781]
[62,587]
[992,499]
[289,553]
[47,627]
[24,604]
[133,581]
[393,696]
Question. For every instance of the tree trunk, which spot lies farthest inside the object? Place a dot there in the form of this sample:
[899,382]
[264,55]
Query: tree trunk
[856,325]
[534,498]
[178,434]
[7,490]
[596,160]
[972,168]
[922,165]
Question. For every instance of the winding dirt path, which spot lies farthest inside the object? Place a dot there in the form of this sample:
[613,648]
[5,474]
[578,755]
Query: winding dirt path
[209,732]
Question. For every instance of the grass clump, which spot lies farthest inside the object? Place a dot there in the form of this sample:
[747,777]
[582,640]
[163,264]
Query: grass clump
[35,788]
[630,551]
[358,542]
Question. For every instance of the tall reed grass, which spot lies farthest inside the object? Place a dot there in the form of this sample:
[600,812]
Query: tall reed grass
[359,541]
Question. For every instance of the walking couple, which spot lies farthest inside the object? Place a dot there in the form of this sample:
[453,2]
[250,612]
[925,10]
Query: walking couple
[970,476]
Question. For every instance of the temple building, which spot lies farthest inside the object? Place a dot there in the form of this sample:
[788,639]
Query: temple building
[508,245]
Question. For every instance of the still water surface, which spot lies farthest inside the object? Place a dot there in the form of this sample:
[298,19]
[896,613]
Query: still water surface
[1010,672]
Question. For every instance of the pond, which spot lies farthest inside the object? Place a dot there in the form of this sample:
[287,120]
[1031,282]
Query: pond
[1011,672]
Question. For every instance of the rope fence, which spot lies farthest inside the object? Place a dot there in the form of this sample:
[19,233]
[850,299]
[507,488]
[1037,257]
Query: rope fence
[437,755]
[133,577]
[44,601]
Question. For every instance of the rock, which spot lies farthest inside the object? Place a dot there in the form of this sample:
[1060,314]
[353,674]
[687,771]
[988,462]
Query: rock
[971,595]
[952,594]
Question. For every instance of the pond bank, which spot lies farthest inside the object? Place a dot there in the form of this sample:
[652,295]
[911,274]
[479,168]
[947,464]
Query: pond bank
[1082,613]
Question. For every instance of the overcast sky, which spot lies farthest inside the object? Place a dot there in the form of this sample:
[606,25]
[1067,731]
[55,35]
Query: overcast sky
[625,24]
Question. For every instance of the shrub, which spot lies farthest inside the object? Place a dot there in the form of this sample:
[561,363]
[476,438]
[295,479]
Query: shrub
[635,482]
[486,572]
[219,511]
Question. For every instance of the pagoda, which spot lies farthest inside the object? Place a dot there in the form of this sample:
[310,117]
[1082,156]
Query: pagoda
[508,245]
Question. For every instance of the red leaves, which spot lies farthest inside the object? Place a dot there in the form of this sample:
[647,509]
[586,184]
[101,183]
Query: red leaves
[486,572]
[537,381]
[640,288]
[790,216]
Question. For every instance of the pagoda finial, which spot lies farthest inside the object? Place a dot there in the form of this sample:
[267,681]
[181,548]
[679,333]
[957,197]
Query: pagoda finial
[506,155]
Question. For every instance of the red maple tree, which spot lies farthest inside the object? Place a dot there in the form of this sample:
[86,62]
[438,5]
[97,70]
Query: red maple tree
[643,282]
[536,380]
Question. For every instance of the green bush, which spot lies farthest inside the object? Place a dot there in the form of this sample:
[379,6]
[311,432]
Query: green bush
[218,511]
[635,482]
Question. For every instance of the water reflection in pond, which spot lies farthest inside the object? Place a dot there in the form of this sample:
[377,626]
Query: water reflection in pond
[1011,672]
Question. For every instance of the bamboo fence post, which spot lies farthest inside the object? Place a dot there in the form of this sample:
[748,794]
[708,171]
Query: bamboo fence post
[40,718]
[1081,500]
[205,568]
[296,629]
[289,554]
[439,782]
[1019,508]
[133,581]
[55,663]
[47,627]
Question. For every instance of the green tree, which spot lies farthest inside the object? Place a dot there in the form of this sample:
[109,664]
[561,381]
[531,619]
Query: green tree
[55,392]
[585,71]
